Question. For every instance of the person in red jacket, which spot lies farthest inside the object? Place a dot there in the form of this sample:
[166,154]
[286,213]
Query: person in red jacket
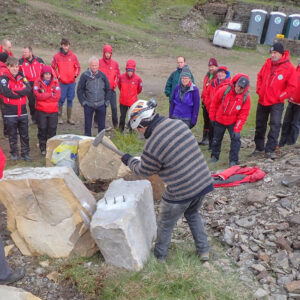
[112,71]
[7,276]
[6,47]
[30,66]
[14,89]
[3,67]
[210,75]
[67,68]
[130,85]
[47,93]
[222,79]
[276,81]
[229,110]
[291,123]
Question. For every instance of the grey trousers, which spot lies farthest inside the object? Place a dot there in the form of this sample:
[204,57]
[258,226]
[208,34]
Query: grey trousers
[5,270]
[168,216]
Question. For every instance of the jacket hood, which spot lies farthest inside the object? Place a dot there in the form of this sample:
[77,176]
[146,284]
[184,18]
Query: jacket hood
[235,80]
[2,65]
[45,69]
[61,51]
[285,58]
[107,48]
[130,64]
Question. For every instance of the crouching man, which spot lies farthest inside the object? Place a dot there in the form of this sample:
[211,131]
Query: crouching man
[172,152]
[229,110]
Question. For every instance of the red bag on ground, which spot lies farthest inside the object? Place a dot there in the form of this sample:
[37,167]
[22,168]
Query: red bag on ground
[2,162]
[237,175]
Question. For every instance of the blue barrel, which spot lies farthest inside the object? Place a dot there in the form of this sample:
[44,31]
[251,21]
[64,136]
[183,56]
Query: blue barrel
[275,26]
[256,23]
[293,27]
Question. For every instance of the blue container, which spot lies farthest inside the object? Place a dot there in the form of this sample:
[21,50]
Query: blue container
[293,27]
[275,26]
[257,22]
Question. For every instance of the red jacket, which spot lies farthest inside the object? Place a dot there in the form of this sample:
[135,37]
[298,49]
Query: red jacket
[212,89]
[14,93]
[276,81]
[206,83]
[295,98]
[129,87]
[230,109]
[31,69]
[110,68]
[2,163]
[9,53]
[66,66]
[3,67]
[47,96]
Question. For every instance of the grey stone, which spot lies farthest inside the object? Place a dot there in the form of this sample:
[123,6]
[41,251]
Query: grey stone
[229,235]
[278,297]
[247,222]
[256,196]
[124,224]
[280,259]
[260,293]
[285,203]
[294,220]
[295,259]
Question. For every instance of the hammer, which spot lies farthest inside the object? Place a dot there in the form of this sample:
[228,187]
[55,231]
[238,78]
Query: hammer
[99,140]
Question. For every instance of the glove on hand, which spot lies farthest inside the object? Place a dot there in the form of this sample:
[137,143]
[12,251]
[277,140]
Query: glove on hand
[236,135]
[125,158]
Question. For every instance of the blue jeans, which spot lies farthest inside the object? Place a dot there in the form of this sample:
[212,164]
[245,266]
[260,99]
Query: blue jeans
[5,271]
[169,214]
[100,114]
[67,91]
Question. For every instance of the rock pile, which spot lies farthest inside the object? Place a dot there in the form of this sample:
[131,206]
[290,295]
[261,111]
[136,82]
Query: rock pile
[260,224]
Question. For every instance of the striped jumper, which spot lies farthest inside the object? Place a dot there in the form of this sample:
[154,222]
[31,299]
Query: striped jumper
[173,153]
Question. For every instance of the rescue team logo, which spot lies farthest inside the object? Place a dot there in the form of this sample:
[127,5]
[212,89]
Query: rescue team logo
[26,64]
[280,77]
[238,107]
[3,82]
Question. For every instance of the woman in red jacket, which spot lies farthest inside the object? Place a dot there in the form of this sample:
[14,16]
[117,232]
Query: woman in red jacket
[130,85]
[47,92]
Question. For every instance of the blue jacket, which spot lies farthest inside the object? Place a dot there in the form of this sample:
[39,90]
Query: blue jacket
[188,107]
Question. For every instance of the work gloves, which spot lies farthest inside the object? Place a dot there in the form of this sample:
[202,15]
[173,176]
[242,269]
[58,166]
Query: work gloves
[236,135]
[125,158]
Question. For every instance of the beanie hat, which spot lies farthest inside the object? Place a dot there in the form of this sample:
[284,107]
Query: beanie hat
[3,56]
[278,47]
[186,72]
[46,69]
[243,82]
[222,69]
[212,62]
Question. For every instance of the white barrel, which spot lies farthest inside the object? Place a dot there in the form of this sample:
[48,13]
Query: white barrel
[224,39]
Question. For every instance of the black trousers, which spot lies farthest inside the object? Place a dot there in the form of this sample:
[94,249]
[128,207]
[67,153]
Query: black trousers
[47,124]
[262,117]
[17,125]
[291,125]
[5,132]
[235,144]
[123,112]
[31,103]
[206,120]
[114,108]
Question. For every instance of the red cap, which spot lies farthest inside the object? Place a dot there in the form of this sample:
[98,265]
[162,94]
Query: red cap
[212,62]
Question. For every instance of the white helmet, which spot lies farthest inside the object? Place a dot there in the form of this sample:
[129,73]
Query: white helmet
[141,112]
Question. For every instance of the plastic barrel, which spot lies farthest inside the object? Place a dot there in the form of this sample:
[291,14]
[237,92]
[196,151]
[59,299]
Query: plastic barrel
[275,26]
[256,23]
[293,27]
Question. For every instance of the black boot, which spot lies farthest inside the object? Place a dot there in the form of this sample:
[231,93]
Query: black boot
[205,140]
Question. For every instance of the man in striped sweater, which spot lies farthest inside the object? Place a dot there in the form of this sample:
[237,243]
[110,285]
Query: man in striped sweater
[172,152]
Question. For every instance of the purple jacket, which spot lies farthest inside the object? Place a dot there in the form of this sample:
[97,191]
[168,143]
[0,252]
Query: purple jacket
[188,107]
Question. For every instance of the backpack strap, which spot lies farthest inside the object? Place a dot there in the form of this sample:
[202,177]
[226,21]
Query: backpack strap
[229,89]
[245,97]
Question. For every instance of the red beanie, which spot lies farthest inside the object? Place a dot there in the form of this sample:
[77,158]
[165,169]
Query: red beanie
[46,69]
[222,68]
[212,62]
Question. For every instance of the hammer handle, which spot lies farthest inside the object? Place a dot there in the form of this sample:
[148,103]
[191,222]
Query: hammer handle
[112,148]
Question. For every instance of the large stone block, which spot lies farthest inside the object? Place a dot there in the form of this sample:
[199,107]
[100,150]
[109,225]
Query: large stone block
[124,224]
[13,293]
[48,211]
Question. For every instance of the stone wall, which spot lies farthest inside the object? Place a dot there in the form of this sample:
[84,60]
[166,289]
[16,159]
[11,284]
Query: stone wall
[292,45]
[244,40]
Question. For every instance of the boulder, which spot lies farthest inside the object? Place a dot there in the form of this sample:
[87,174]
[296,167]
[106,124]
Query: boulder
[13,293]
[48,211]
[124,224]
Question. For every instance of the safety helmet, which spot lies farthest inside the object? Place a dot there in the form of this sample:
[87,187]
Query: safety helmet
[141,113]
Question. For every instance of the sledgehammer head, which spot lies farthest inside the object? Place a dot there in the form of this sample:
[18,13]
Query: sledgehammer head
[99,137]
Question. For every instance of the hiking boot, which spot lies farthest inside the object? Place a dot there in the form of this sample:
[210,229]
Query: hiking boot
[204,256]
[256,153]
[204,142]
[233,163]
[14,157]
[213,159]
[60,119]
[69,116]
[271,155]
[43,152]
[26,157]
[13,277]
